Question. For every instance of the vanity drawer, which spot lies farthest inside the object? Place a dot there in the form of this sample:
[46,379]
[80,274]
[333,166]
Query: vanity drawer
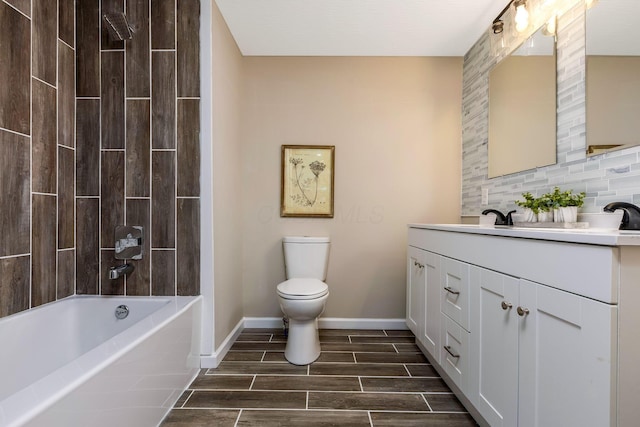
[454,352]
[454,290]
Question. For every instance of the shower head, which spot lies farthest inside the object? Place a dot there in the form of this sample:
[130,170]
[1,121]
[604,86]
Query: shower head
[118,26]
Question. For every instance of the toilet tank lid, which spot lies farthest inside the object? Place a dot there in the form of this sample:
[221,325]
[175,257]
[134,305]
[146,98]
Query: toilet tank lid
[305,239]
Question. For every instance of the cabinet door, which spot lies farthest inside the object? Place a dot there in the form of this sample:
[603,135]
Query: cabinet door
[567,359]
[430,337]
[493,358]
[454,279]
[415,289]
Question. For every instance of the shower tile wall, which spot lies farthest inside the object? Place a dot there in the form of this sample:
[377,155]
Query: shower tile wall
[605,178]
[135,145]
[37,111]
[95,133]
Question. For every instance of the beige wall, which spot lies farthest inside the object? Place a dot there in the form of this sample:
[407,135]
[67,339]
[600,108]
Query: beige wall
[227,203]
[395,123]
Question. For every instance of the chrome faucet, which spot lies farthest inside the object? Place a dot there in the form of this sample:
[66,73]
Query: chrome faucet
[120,270]
[631,216]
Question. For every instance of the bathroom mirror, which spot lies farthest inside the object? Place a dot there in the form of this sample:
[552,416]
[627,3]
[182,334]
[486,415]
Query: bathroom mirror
[522,108]
[612,75]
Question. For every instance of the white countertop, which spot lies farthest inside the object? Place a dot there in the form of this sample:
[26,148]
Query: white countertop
[591,236]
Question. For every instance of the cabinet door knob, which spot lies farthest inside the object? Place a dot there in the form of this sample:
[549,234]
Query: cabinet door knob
[506,305]
[522,311]
[448,350]
[451,290]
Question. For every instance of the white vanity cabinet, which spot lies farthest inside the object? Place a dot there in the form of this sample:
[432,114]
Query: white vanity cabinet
[536,327]
[541,356]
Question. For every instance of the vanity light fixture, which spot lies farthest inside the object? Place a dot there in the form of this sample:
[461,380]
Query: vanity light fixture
[522,15]
[521,18]
[550,27]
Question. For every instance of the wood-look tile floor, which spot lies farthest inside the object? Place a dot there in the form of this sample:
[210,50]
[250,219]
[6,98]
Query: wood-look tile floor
[362,378]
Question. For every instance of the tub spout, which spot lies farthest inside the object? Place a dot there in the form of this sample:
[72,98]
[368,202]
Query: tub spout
[120,270]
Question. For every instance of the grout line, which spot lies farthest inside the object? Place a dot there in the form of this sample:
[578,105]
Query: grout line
[360,382]
[425,401]
[253,381]
[191,394]
[14,132]
[238,418]
[407,369]
[307,402]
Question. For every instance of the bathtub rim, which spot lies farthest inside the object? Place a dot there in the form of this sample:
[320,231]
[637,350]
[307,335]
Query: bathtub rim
[14,411]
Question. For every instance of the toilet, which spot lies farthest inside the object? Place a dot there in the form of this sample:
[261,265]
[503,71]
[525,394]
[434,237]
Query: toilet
[303,295]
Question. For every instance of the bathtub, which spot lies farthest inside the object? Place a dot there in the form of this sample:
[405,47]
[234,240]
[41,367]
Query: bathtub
[73,363]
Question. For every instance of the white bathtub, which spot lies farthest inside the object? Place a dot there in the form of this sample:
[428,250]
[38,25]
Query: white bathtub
[72,363]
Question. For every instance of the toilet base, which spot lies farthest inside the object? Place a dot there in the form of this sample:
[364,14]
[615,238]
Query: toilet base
[303,343]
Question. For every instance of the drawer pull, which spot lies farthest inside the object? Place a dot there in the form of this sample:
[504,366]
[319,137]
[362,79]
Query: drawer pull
[522,311]
[448,350]
[506,305]
[417,264]
[451,290]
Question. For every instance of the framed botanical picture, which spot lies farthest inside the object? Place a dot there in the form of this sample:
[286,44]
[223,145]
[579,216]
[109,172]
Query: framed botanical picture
[307,181]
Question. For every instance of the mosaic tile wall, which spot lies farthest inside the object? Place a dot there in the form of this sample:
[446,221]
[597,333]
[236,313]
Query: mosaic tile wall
[605,178]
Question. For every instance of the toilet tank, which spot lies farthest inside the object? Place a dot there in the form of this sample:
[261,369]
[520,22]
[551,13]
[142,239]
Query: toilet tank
[306,257]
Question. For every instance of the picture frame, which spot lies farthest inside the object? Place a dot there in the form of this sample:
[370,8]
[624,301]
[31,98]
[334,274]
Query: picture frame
[307,179]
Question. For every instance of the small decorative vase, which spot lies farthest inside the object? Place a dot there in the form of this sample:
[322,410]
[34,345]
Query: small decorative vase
[545,216]
[566,214]
[529,215]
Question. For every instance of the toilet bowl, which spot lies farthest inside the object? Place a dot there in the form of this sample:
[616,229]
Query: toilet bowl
[303,295]
[302,301]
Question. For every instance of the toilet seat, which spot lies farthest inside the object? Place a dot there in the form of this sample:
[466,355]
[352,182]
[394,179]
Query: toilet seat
[302,289]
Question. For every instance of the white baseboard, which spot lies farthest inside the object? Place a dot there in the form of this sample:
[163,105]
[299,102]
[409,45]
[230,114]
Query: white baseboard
[331,323]
[213,360]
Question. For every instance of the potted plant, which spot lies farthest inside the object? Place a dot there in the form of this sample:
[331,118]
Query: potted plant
[530,207]
[566,204]
[545,208]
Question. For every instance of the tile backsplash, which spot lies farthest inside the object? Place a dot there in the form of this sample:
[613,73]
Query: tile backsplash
[605,178]
[96,133]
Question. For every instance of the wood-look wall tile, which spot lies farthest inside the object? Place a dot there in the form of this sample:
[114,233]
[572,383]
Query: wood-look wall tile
[112,196]
[66,199]
[87,245]
[138,147]
[23,6]
[88,48]
[112,100]
[139,213]
[88,147]
[110,286]
[188,247]
[138,50]
[66,21]
[66,273]
[163,273]
[15,284]
[188,47]
[188,147]
[45,149]
[15,69]
[45,36]
[15,194]
[163,99]
[163,26]
[110,6]
[43,250]
[66,95]
[163,202]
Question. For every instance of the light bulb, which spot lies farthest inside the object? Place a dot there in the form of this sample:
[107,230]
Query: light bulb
[522,16]
[550,27]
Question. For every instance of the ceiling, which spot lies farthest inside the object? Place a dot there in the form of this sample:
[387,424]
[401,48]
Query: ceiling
[358,27]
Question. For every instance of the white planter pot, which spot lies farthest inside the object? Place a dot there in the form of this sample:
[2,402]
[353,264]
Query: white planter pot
[545,216]
[566,214]
[529,215]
